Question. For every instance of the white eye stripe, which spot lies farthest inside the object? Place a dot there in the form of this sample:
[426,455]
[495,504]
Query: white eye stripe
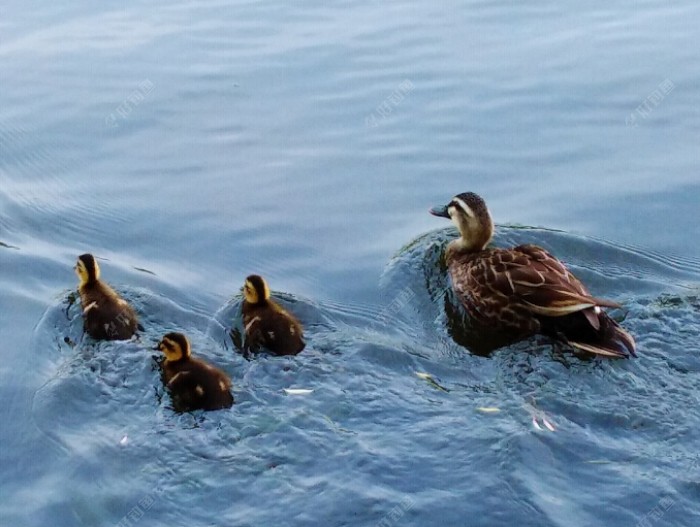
[466,208]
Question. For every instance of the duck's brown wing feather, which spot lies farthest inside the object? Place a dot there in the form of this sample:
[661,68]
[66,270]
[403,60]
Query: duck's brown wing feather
[535,277]
[517,285]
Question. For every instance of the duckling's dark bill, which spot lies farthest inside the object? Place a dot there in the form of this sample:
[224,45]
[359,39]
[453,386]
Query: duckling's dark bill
[440,211]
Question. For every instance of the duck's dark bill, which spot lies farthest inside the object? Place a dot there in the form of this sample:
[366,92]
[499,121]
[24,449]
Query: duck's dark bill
[440,211]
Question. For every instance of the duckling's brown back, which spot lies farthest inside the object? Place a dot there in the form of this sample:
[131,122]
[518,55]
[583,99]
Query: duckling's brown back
[196,385]
[107,316]
[273,328]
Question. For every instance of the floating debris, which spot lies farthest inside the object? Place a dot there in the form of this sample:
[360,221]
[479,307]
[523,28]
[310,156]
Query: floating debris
[124,440]
[297,391]
[633,459]
[538,415]
[488,409]
[549,425]
[429,378]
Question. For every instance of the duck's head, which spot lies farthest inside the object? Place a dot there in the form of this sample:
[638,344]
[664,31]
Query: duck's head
[471,216]
[87,269]
[175,347]
[255,289]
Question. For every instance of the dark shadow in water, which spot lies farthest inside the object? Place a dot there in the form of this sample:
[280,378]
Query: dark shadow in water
[477,338]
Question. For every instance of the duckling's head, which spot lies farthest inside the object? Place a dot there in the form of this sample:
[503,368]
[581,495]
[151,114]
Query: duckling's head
[473,219]
[175,347]
[87,269]
[255,290]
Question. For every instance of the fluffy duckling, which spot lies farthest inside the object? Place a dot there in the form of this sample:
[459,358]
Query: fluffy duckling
[193,384]
[106,315]
[525,290]
[266,323]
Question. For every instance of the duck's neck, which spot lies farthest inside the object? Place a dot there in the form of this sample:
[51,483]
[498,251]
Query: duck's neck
[474,234]
[461,246]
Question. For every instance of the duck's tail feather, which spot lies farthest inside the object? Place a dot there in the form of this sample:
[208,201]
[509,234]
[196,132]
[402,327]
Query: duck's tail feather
[597,349]
[592,331]
[610,340]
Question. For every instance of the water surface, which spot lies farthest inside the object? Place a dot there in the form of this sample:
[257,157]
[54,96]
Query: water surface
[190,144]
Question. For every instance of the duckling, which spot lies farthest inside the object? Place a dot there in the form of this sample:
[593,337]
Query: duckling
[106,315]
[193,384]
[266,323]
[525,290]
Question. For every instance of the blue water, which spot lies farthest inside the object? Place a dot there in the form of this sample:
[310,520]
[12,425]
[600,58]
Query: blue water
[190,144]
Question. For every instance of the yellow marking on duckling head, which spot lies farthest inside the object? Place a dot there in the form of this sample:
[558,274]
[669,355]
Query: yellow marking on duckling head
[86,269]
[199,390]
[175,347]
[255,289]
[222,385]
